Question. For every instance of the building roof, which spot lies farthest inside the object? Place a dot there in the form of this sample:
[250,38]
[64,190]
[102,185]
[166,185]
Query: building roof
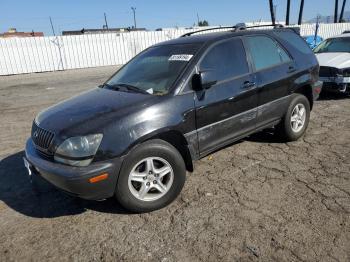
[21,34]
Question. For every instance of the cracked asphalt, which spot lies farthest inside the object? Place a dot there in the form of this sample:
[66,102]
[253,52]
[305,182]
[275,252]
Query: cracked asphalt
[257,200]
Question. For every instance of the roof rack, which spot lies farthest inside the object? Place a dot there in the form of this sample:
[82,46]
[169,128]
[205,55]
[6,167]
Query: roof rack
[257,26]
[237,27]
[208,29]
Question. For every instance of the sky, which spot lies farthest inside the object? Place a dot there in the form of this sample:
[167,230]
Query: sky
[28,15]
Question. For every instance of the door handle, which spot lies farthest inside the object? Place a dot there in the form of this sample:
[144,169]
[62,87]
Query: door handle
[248,84]
[291,69]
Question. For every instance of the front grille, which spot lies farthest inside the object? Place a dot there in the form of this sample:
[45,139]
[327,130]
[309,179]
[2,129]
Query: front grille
[326,71]
[41,137]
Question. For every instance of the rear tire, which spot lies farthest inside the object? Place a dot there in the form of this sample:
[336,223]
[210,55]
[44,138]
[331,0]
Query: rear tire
[295,121]
[152,176]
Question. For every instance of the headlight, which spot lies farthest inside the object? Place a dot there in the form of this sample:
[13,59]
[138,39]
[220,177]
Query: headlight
[346,72]
[79,150]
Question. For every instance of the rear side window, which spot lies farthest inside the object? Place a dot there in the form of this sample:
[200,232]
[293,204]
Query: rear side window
[295,40]
[228,59]
[266,52]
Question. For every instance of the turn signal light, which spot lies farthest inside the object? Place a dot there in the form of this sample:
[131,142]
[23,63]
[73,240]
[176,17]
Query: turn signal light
[318,90]
[98,178]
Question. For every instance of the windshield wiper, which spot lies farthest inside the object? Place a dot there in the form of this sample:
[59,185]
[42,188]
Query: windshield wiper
[127,86]
[112,87]
[133,88]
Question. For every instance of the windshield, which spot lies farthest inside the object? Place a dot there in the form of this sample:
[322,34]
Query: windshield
[155,70]
[341,44]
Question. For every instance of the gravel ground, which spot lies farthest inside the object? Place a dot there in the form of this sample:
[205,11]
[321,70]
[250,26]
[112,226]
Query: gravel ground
[257,200]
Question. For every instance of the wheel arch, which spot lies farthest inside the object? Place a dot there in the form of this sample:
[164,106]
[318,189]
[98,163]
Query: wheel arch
[177,140]
[305,90]
[173,137]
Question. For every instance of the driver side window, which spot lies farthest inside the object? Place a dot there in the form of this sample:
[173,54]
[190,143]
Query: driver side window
[226,59]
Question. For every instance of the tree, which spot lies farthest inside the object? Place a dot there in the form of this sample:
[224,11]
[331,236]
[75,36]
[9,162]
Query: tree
[341,19]
[203,23]
[336,11]
[273,19]
[300,18]
[287,12]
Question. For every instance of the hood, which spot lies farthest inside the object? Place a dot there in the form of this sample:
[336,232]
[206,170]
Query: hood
[337,60]
[90,111]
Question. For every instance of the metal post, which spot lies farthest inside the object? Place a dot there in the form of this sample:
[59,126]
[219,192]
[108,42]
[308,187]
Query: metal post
[317,27]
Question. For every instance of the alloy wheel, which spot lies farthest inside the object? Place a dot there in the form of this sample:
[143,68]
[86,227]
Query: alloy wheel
[297,120]
[150,179]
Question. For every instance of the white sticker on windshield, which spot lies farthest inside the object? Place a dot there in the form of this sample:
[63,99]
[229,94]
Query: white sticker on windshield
[182,57]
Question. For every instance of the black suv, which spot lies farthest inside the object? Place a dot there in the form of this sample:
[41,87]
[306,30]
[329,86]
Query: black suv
[135,136]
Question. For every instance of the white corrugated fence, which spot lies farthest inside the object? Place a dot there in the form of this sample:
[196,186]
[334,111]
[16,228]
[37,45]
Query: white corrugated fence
[42,54]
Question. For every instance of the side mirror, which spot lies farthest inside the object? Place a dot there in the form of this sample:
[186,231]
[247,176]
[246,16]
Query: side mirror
[204,80]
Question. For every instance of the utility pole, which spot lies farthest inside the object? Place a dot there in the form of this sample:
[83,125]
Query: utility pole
[288,11]
[272,12]
[134,11]
[342,11]
[336,11]
[106,24]
[197,19]
[300,19]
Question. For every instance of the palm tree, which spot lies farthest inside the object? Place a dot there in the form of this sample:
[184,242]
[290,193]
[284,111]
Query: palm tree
[301,12]
[342,12]
[288,11]
[272,12]
[336,12]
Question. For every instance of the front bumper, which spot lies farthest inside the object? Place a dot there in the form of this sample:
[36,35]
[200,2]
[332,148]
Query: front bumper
[336,80]
[337,84]
[75,180]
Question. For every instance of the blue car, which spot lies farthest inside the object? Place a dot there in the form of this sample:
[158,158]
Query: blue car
[311,41]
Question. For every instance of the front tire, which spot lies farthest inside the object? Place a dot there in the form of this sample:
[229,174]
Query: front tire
[152,176]
[296,119]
